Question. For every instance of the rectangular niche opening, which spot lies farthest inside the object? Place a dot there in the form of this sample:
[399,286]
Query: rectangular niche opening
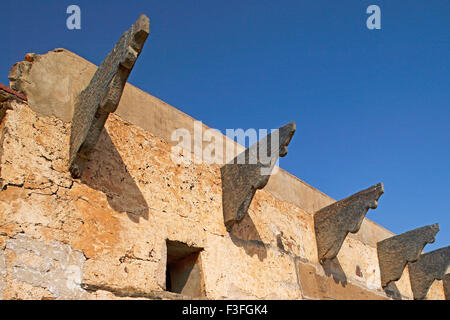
[184,273]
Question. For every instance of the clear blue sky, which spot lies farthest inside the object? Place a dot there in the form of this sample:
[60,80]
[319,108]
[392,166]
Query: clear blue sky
[370,105]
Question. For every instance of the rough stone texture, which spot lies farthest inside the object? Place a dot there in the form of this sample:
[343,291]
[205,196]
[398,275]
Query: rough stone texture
[241,179]
[10,94]
[394,253]
[102,95]
[436,291]
[7,95]
[317,285]
[67,74]
[132,197]
[429,267]
[446,282]
[334,222]
[4,106]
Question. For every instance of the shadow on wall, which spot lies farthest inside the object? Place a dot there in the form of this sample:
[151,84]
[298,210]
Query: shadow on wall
[106,172]
[334,269]
[245,235]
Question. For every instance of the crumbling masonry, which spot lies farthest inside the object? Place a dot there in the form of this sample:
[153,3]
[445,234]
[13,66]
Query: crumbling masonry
[92,206]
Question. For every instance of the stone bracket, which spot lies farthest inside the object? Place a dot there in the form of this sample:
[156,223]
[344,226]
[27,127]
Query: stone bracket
[102,96]
[395,252]
[334,222]
[429,267]
[248,172]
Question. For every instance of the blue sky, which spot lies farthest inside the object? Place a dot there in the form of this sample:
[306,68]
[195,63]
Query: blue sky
[370,105]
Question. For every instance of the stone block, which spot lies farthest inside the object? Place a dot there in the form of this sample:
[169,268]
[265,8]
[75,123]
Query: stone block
[102,96]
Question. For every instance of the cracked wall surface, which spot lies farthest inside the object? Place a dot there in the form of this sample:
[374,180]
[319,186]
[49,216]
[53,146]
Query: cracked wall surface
[51,266]
[104,236]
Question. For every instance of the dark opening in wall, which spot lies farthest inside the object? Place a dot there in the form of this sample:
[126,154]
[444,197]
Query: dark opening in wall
[184,273]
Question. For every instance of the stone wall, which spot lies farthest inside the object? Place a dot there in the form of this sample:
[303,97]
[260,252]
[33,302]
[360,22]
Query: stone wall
[104,236]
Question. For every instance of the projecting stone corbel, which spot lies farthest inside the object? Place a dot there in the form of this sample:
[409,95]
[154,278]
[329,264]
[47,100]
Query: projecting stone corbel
[334,222]
[102,96]
[250,171]
[429,267]
[395,252]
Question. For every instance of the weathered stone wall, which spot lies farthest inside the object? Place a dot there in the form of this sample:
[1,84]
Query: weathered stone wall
[104,236]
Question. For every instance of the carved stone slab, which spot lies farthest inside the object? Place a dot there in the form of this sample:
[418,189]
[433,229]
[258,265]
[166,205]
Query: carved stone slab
[446,281]
[395,252]
[102,95]
[334,222]
[241,179]
[430,266]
